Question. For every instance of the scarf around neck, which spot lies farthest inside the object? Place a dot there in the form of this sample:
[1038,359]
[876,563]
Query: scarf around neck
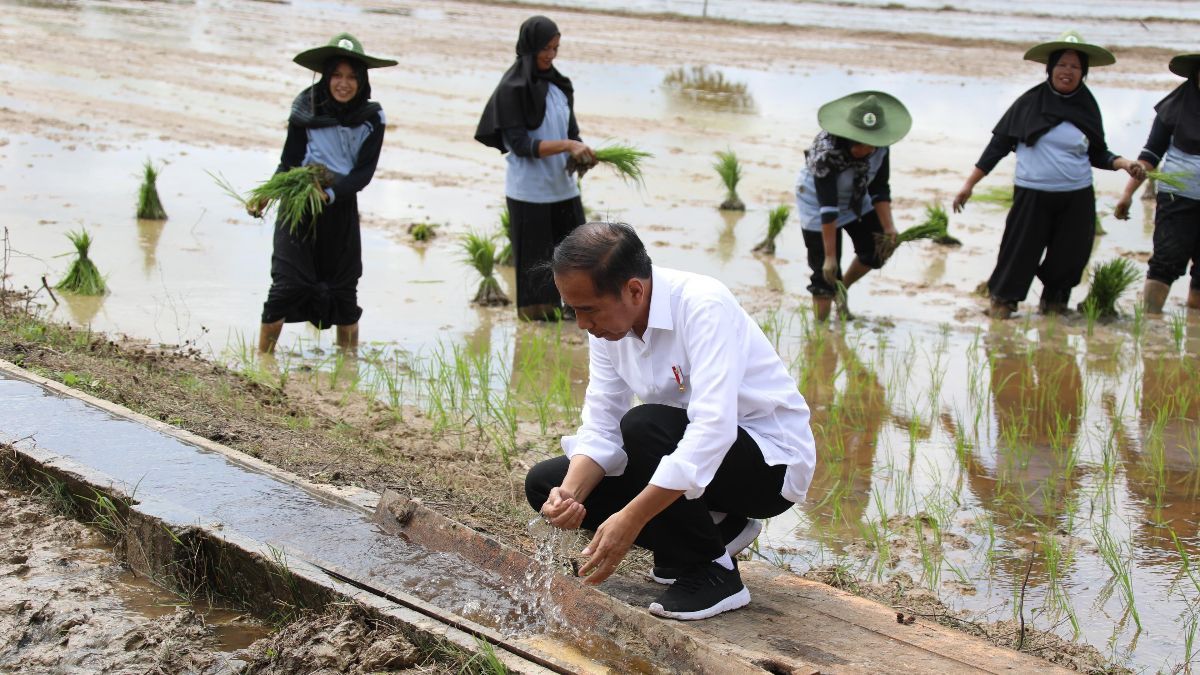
[315,107]
[1041,108]
[831,154]
[1180,112]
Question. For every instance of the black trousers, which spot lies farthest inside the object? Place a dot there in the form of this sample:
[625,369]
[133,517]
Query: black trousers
[684,533]
[536,230]
[1176,239]
[862,234]
[1062,225]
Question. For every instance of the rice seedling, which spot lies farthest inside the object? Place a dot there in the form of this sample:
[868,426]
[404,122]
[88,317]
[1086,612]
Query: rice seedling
[1176,179]
[625,160]
[935,228]
[82,276]
[298,195]
[1001,196]
[481,254]
[149,206]
[776,219]
[423,231]
[506,253]
[730,172]
[1178,322]
[1109,281]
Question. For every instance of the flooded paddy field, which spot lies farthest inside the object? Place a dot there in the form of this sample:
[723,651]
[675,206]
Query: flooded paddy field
[1045,469]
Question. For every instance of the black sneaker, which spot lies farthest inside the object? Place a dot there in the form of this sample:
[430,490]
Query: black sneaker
[702,591]
[738,532]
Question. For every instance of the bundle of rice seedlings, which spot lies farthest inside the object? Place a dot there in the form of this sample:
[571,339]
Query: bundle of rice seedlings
[149,206]
[1176,179]
[481,254]
[296,195]
[626,160]
[422,231]
[730,171]
[776,219]
[82,277]
[506,254]
[1001,196]
[1109,281]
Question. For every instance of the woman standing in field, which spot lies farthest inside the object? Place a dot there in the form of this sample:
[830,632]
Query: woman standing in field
[333,123]
[844,186]
[531,116]
[1175,142]
[1057,132]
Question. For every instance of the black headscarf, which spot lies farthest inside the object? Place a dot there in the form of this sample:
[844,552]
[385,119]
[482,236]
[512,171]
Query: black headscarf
[1180,112]
[520,98]
[316,107]
[1042,108]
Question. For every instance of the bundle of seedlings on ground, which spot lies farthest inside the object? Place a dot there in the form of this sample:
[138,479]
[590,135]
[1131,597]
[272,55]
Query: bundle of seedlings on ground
[1109,281]
[422,231]
[297,195]
[82,278]
[626,160]
[149,206]
[506,253]
[1176,179]
[481,254]
[776,219]
[730,171]
[997,196]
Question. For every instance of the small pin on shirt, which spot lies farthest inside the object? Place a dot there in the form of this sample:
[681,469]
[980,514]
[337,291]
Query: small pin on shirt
[678,373]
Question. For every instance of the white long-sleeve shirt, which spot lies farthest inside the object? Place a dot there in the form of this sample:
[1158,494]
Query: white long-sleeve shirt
[731,376]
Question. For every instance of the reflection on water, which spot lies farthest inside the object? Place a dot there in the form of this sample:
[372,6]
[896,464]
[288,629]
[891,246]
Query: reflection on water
[82,308]
[710,88]
[149,232]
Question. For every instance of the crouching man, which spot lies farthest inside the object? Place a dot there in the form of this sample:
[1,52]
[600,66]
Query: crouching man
[720,440]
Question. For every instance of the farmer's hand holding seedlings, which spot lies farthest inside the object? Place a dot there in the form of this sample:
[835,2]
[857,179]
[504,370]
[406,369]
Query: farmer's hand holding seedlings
[829,269]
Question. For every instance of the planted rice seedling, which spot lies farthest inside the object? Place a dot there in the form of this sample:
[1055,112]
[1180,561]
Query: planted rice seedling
[730,171]
[149,205]
[1001,196]
[422,232]
[481,254]
[82,277]
[776,219]
[1109,281]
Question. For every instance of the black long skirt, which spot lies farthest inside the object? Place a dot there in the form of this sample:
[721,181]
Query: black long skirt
[536,230]
[315,278]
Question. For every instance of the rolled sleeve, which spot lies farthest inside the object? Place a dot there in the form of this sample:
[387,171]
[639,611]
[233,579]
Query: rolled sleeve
[607,400]
[717,358]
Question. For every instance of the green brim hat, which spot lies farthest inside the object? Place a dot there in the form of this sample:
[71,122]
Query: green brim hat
[342,44]
[1097,56]
[1184,65]
[870,117]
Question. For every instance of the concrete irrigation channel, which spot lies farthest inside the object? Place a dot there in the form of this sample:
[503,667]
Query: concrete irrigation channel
[198,516]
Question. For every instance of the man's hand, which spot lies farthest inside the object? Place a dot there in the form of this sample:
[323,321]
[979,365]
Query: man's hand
[609,546]
[562,510]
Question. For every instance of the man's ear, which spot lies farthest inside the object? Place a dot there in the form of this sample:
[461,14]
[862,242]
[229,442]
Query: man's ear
[637,290]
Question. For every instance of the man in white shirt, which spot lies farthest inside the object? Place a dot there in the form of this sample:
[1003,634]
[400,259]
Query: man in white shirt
[722,432]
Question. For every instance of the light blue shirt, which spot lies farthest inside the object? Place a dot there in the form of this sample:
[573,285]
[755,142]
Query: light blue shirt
[1178,161]
[544,180]
[1058,162]
[810,210]
[337,147]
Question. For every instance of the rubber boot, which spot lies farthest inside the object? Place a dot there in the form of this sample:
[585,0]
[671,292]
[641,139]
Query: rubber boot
[821,307]
[268,335]
[347,337]
[1154,296]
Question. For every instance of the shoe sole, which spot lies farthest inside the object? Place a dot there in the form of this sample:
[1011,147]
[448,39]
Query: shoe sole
[662,580]
[735,601]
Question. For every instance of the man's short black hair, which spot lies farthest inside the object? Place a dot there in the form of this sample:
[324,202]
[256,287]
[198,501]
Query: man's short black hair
[611,253]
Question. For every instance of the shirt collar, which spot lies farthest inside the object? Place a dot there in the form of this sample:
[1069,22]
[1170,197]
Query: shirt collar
[660,301]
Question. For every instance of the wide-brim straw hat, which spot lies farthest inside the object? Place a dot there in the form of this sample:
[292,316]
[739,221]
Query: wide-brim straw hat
[870,117]
[342,44]
[1184,65]
[1097,56]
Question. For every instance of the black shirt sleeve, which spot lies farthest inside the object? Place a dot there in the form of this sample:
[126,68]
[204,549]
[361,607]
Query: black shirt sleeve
[294,148]
[364,167]
[518,140]
[1157,142]
[827,196]
[573,128]
[880,188]
[996,150]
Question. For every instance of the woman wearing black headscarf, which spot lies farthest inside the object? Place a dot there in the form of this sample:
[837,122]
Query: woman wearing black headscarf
[531,116]
[334,123]
[1175,142]
[1057,133]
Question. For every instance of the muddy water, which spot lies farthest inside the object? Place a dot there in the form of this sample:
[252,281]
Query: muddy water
[1033,435]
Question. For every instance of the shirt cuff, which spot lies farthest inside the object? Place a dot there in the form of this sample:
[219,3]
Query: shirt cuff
[826,210]
[675,474]
[1147,156]
[612,461]
[332,197]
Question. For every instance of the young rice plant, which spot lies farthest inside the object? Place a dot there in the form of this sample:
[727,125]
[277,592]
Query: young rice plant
[776,219]
[1109,281]
[82,278]
[730,171]
[149,206]
[481,254]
